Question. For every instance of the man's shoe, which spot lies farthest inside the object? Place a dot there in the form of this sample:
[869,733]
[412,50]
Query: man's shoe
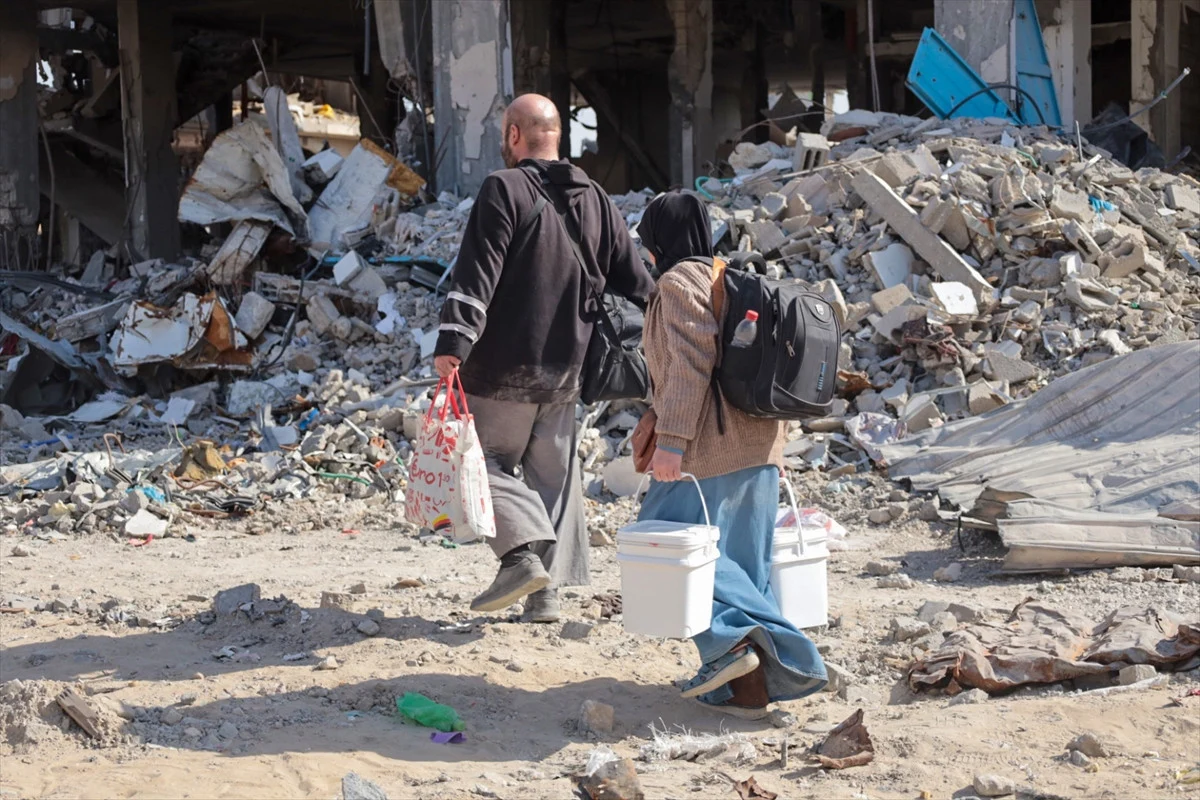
[542,607]
[524,576]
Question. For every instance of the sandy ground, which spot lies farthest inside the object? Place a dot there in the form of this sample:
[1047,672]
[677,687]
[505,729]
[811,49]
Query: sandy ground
[180,721]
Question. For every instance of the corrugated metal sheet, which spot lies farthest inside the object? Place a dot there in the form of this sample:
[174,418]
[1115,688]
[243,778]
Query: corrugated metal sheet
[1097,469]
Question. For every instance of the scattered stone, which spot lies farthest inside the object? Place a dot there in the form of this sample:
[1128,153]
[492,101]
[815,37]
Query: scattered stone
[228,601]
[1136,673]
[1090,745]
[899,581]
[949,573]
[368,627]
[328,663]
[1186,574]
[227,730]
[358,588]
[972,697]
[1079,759]
[882,568]
[839,677]
[614,780]
[172,716]
[908,628]
[596,717]
[879,516]
[338,601]
[928,512]
[576,630]
[993,786]
[21,551]
[356,787]
[515,666]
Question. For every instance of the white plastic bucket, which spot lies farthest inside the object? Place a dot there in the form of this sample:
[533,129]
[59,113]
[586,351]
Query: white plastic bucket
[667,575]
[799,577]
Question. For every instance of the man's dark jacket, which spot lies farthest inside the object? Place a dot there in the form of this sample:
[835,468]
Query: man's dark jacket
[516,312]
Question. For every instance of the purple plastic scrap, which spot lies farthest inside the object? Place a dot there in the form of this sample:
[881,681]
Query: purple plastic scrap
[454,737]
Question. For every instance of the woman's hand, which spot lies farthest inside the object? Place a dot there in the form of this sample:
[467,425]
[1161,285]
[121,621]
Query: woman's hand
[666,467]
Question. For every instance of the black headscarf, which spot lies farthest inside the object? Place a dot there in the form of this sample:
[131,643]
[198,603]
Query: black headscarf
[674,228]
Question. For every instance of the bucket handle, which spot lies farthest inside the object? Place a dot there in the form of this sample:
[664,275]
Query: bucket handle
[692,478]
[795,511]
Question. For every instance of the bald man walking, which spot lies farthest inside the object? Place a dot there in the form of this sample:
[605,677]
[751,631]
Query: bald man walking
[516,325]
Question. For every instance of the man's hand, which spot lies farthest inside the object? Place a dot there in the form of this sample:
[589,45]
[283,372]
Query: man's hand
[666,467]
[445,365]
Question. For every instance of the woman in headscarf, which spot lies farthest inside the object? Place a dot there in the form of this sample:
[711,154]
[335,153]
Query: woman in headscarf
[751,655]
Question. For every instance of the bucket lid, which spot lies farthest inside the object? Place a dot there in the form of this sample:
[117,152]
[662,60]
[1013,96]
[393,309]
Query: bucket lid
[661,533]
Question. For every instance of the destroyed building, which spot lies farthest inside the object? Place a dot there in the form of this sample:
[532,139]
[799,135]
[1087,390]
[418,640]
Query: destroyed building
[238,270]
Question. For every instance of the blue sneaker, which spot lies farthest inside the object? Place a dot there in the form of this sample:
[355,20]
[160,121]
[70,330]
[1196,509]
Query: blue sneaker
[734,664]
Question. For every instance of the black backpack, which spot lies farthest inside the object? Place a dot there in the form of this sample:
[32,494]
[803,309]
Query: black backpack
[790,371]
[614,367]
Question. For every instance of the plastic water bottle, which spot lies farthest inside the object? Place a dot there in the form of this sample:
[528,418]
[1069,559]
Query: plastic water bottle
[746,331]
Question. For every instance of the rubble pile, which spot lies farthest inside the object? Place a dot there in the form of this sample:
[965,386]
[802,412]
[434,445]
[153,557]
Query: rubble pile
[969,260]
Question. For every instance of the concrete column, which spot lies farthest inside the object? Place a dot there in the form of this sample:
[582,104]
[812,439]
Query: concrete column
[1069,45]
[540,57]
[149,113]
[473,82]
[689,77]
[978,30]
[20,198]
[1154,52]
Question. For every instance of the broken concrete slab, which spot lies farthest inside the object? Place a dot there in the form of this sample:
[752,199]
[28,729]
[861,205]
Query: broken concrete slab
[890,266]
[955,298]
[887,299]
[254,314]
[238,252]
[999,367]
[1070,204]
[932,249]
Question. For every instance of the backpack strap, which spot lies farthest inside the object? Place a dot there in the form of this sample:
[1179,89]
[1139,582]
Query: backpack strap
[718,300]
[538,205]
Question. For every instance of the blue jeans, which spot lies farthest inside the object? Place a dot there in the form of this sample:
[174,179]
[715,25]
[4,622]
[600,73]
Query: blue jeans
[743,506]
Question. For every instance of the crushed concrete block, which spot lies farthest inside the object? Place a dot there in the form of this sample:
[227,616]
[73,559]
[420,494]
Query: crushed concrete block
[1088,295]
[773,205]
[1132,257]
[1071,204]
[322,313]
[955,298]
[896,395]
[254,314]
[932,249]
[765,236]
[797,208]
[907,628]
[921,413]
[982,398]
[885,300]
[1000,367]
[812,151]
[1082,241]
[896,170]
[1183,198]
[890,266]
[1136,674]
[937,214]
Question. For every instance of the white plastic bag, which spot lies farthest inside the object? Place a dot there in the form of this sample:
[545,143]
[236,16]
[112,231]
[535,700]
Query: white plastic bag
[447,485]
